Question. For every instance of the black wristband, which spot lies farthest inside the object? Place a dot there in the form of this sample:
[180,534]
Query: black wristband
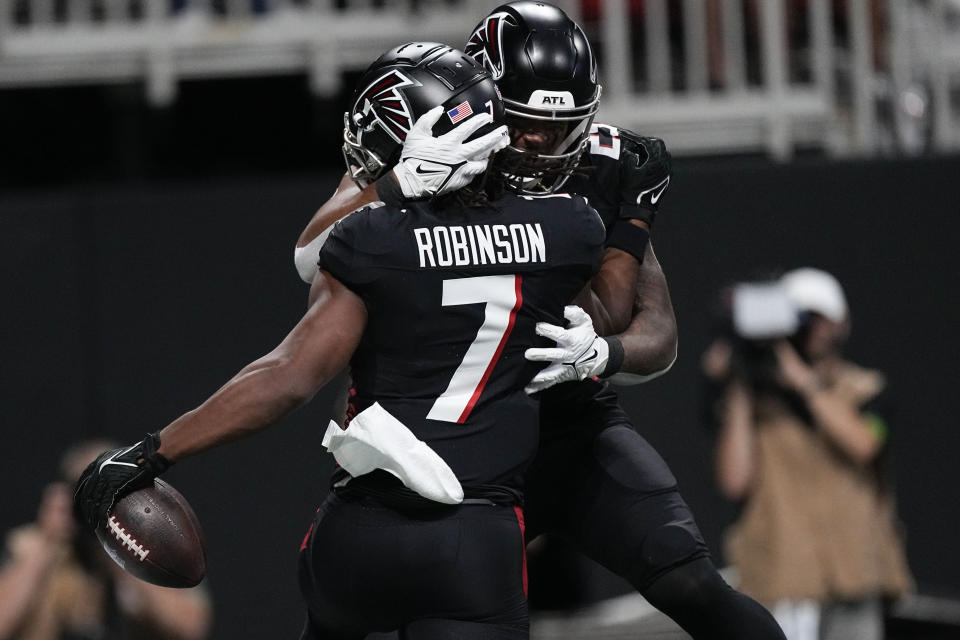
[628,237]
[637,212]
[614,358]
[155,462]
[389,191]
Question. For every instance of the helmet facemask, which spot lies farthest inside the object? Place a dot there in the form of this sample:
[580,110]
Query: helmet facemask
[363,165]
[539,173]
[545,70]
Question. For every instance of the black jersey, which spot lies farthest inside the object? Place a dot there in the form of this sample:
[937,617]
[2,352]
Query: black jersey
[599,179]
[453,298]
[566,406]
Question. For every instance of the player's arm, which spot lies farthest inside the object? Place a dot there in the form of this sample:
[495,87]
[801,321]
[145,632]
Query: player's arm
[269,388]
[635,336]
[650,340]
[646,350]
[348,198]
[609,296]
[629,302]
[262,393]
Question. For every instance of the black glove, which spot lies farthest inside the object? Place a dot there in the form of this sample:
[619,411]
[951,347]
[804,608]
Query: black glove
[113,475]
[644,175]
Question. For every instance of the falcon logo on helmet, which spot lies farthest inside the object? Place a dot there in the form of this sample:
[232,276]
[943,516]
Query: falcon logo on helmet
[486,43]
[382,102]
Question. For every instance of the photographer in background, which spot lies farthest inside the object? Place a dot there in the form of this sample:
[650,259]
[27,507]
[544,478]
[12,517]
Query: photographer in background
[56,582]
[799,442]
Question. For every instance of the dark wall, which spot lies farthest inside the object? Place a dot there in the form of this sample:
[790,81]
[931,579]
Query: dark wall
[125,306]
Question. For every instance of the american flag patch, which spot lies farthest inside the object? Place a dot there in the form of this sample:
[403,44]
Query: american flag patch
[460,112]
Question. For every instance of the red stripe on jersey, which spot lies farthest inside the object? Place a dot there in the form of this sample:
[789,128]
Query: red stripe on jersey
[518,280]
[523,540]
[303,545]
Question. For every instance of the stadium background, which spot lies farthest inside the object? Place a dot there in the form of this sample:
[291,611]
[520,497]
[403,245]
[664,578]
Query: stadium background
[147,256]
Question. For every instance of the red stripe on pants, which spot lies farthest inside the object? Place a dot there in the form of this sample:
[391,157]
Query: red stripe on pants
[523,541]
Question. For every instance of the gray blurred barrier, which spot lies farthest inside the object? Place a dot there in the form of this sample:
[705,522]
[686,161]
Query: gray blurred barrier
[628,617]
[625,617]
[821,92]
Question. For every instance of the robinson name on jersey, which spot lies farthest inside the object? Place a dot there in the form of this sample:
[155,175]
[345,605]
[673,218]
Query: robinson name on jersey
[480,244]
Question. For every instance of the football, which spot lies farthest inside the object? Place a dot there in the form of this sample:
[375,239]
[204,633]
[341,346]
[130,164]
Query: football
[153,534]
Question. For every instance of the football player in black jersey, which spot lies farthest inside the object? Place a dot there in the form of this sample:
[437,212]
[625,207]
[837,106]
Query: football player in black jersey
[434,304]
[619,504]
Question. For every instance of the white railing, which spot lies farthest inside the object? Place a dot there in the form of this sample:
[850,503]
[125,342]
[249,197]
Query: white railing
[776,96]
[45,42]
[841,104]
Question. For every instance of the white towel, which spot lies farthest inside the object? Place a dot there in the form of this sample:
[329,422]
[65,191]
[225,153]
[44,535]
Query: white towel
[375,439]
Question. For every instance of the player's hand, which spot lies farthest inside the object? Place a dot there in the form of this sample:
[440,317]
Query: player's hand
[644,175]
[434,165]
[580,353]
[113,475]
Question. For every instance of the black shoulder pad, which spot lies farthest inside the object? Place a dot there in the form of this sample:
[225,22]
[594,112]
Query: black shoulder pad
[588,231]
[350,240]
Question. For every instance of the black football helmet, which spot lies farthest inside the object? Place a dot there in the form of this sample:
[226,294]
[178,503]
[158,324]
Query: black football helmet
[402,85]
[543,65]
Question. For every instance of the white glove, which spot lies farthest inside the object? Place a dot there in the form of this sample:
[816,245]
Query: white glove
[580,353]
[431,166]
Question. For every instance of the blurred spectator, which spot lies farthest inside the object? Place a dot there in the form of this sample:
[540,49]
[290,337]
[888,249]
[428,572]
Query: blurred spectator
[56,582]
[801,436]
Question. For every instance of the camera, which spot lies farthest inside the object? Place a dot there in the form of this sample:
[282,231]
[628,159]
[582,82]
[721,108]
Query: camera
[763,311]
[759,313]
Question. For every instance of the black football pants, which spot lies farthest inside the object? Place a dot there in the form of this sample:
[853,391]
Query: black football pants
[612,495]
[446,572]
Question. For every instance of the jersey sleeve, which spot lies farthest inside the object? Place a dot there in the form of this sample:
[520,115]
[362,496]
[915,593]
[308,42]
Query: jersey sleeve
[600,180]
[305,258]
[604,151]
[586,235]
[615,194]
[605,141]
[345,254]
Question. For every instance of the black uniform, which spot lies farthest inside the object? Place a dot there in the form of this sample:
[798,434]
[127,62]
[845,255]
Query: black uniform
[599,483]
[452,298]
[596,480]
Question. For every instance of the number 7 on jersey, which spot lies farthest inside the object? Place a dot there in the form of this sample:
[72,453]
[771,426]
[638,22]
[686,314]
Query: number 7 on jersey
[502,298]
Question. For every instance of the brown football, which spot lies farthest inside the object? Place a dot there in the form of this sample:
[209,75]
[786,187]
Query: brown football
[153,534]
